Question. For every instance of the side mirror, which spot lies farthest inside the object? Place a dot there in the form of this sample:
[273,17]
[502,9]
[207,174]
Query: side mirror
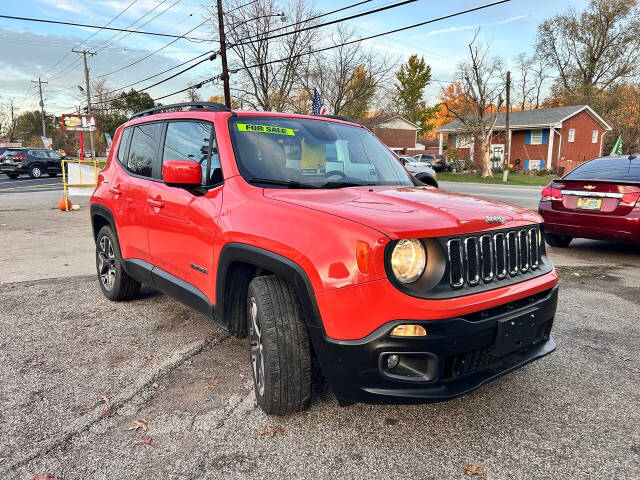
[181,173]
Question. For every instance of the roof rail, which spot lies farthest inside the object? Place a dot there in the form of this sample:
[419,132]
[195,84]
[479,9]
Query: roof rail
[214,106]
[340,117]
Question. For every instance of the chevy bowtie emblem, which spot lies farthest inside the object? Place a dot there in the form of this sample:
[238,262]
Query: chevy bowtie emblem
[495,220]
[589,187]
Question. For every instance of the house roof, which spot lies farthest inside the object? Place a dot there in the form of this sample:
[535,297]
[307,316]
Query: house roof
[542,117]
[377,120]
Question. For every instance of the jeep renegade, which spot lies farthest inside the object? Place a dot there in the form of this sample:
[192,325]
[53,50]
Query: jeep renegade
[306,235]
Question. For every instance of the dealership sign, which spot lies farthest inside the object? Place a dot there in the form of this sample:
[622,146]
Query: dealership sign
[79,123]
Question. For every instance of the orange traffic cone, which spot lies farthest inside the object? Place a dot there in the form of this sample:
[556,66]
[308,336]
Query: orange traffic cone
[65,204]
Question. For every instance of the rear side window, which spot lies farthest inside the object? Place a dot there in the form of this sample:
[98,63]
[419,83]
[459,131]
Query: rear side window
[144,148]
[122,146]
[612,169]
[193,141]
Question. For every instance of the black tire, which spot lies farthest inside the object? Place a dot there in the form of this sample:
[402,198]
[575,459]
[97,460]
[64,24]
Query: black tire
[560,241]
[12,175]
[281,341]
[114,282]
[427,179]
[35,171]
[53,174]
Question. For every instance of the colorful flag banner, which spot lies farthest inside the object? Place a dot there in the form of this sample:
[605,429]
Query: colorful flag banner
[617,148]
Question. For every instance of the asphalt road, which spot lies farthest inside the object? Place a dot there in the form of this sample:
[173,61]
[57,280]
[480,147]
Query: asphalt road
[522,195]
[77,371]
[26,184]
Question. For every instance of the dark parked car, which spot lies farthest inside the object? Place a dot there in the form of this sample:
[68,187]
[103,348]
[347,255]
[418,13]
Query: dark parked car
[32,161]
[599,199]
[437,161]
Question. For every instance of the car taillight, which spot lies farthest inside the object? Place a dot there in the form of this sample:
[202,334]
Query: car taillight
[550,193]
[19,157]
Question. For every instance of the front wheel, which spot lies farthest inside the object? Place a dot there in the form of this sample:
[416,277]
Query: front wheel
[115,283]
[560,241]
[279,346]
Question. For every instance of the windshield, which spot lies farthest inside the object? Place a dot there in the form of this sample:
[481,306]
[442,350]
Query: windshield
[304,153]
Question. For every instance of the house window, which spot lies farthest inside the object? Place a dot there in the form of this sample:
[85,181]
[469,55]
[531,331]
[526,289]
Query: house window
[594,136]
[536,137]
[572,135]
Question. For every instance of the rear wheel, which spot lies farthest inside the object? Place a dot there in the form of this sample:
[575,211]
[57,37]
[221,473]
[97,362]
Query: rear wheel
[560,241]
[115,283]
[12,175]
[279,346]
[35,171]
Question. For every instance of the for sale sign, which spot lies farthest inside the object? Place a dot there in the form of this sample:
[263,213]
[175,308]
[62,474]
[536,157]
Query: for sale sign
[79,123]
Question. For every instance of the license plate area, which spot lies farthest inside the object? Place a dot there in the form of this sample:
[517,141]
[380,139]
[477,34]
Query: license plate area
[517,332]
[589,203]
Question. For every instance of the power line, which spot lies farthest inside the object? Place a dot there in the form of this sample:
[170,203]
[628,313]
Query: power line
[86,25]
[331,22]
[388,32]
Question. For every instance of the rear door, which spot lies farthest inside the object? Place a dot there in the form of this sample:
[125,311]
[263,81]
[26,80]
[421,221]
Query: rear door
[609,186]
[130,186]
[182,222]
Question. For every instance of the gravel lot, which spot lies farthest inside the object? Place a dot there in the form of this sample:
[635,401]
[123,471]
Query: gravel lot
[76,372]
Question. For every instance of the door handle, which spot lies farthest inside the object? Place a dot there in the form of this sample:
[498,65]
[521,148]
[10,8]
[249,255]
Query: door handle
[155,203]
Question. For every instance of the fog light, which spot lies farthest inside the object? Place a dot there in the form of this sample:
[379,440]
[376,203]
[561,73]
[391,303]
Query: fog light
[392,361]
[409,331]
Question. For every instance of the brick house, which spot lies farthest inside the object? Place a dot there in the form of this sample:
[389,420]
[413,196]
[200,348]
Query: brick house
[559,138]
[395,131]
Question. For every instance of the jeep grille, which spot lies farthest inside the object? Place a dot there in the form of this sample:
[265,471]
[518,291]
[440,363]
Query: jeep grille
[484,258]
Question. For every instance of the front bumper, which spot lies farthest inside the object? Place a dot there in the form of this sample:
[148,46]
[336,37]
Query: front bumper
[458,354]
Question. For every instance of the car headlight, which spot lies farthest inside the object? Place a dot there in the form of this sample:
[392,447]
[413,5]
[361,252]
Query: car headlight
[408,260]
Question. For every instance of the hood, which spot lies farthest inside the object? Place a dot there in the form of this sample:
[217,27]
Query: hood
[407,212]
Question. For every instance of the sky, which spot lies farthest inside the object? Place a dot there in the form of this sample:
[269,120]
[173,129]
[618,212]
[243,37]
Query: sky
[32,50]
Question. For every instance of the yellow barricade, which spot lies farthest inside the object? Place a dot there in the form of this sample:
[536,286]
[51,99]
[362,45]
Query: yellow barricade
[80,183]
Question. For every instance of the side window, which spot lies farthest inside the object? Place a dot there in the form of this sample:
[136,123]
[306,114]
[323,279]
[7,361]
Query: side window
[189,140]
[143,149]
[122,146]
[572,135]
[594,136]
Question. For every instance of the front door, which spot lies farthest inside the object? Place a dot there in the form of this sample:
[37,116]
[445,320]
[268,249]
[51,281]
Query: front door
[497,156]
[182,223]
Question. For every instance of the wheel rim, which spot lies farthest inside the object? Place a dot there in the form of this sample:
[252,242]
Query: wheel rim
[106,263]
[36,172]
[255,337]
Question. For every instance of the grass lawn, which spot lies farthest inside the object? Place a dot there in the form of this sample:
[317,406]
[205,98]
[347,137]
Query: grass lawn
[514,179]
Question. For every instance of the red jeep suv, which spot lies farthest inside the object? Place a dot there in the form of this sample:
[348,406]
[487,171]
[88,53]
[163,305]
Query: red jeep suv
[308,236]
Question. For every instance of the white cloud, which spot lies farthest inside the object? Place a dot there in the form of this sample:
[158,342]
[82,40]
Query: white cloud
[473,27]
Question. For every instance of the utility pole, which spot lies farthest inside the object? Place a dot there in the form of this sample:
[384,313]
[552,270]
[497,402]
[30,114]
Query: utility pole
[88,91]
[223,57]
[507,146]
[40,82]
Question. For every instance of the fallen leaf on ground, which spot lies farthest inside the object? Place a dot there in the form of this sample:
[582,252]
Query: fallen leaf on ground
[271,431]
[46,476]
[144,440]
[142,423]
[104,398]
[213,382]
[133,346]
[473,470]
[148,356]
[107,413]
[155,385]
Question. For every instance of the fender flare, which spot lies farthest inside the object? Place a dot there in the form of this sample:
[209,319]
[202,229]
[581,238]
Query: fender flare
[273,262]
[99,210]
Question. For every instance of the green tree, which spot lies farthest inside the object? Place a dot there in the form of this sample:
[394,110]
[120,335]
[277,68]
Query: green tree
[359,90]
[413,77]
[131,102]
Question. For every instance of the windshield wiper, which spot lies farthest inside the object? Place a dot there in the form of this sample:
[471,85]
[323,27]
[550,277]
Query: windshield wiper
[339,184]
[283,183]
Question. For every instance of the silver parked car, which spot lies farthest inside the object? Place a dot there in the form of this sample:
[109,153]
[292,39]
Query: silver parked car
[421,170]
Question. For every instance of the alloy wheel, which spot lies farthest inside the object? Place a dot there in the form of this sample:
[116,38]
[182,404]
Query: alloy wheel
[106,263]
[36,172]
[255,338]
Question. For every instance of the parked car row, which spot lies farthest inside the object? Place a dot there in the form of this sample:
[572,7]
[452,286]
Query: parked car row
[34,162]
[422,171]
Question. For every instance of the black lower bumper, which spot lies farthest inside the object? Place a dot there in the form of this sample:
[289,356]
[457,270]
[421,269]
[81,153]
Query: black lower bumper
[456,356]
